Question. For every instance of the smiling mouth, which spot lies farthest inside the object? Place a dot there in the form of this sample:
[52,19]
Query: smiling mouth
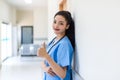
[56,29]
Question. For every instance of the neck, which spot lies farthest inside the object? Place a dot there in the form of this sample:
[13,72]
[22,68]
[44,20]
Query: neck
[59,36]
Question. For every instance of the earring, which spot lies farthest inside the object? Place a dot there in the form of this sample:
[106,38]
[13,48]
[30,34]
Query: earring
[67,27]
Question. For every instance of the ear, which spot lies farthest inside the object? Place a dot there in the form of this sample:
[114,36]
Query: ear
[67,27]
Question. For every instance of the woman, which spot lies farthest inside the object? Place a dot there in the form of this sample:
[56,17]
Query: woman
[58,56]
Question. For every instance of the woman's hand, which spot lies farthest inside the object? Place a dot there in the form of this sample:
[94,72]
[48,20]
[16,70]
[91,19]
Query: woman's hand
[47,69]
[50,71]
[42,51]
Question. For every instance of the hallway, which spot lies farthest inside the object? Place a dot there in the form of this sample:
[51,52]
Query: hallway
[21,68]
[97,37]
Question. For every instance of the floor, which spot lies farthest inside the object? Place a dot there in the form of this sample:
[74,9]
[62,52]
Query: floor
[21,68]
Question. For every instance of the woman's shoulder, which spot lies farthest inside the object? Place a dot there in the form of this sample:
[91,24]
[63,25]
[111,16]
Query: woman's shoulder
[65,41]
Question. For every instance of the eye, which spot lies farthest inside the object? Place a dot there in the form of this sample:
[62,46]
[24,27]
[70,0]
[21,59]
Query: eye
[61,23]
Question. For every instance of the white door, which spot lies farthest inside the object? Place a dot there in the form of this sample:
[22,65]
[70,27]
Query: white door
[6,42]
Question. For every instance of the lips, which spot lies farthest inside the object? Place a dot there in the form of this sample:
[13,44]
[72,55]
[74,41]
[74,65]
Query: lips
[56,29]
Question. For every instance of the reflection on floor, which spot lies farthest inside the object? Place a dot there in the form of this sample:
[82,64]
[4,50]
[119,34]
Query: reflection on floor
[21,68]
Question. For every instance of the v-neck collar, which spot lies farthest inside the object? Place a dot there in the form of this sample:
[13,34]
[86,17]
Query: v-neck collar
[52,45]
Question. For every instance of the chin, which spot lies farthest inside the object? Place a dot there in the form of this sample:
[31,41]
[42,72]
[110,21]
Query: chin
[56,32]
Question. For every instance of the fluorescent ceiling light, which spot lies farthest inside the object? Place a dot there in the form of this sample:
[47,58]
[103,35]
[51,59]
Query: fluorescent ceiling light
[28,1]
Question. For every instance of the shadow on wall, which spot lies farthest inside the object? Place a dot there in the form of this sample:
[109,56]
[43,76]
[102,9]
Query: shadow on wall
[75,64]
[76,76]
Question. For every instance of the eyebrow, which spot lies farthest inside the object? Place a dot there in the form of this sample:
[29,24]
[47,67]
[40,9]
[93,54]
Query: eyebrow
[61,21]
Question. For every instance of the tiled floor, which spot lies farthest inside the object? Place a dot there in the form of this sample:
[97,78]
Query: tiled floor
[25,68]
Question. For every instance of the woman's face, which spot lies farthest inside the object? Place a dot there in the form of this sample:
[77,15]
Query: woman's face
[60,25]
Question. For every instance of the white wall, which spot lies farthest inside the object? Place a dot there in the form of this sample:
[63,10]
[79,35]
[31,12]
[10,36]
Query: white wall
[13,16]
[24,17]
[52,9]
[97,38]
[14,41]
[5,15]
[40,24]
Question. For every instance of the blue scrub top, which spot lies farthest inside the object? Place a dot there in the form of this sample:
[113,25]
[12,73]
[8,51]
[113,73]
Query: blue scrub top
[61,53]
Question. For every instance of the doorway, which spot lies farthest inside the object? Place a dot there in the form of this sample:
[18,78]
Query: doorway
[6,41]
[27,35]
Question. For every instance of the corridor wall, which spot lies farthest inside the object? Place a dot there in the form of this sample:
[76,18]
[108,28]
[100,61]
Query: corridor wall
[97,24]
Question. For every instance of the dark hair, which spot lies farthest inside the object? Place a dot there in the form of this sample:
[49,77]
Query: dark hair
[70,32]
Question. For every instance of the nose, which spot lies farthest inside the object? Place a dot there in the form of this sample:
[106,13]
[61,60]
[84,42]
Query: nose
[55,25]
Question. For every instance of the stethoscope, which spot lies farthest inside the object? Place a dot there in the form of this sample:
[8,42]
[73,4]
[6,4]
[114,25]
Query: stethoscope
[54,43]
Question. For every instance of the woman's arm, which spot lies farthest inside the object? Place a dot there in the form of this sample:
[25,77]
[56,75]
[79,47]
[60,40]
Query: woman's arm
[58,70]
[47,69]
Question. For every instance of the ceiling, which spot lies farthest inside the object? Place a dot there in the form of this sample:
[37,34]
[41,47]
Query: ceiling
[20,4]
